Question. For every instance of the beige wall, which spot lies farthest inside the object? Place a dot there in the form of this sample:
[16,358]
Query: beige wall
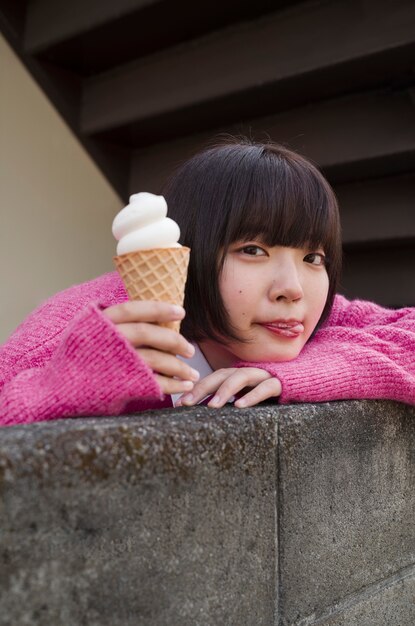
[56,207]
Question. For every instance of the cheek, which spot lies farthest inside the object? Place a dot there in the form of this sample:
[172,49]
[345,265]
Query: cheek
[321,295]
[319,298]
[237,303]
[234,288]
[324,292]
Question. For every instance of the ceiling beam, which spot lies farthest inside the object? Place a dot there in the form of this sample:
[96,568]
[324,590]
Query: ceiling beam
[377,210]
[385,276]
[48,22]
[353,137]
[77,36]
[284,46]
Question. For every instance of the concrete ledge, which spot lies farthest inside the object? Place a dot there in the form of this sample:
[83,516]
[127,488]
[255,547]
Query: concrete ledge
[297,515]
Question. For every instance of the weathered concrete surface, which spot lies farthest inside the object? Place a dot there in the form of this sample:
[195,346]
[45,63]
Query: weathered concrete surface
[161,519]
[346,505]
[301,515]
[391,602]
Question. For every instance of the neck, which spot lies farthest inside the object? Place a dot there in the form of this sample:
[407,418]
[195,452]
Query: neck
[216,354]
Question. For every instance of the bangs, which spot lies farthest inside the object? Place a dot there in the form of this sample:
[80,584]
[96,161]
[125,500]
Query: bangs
[282,204]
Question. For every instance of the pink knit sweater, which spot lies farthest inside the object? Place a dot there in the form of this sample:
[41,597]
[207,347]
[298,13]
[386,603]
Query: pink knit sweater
[67,359]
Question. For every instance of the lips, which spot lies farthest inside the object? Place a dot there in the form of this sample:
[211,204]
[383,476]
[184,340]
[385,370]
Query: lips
[285,328]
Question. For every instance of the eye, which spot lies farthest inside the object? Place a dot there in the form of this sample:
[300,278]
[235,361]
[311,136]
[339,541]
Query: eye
[316,258]
[252,250]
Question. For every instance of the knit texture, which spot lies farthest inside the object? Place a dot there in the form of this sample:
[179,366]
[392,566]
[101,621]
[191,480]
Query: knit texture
[67,359]
[362,352]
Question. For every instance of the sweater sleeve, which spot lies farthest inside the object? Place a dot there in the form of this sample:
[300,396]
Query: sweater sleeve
[362,352]
[87,369]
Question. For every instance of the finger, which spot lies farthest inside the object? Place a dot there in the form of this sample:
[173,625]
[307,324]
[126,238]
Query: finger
[206,387]
[170,386]
[144,311]
[270,388]
[167,364]
[157,337]
[244,377]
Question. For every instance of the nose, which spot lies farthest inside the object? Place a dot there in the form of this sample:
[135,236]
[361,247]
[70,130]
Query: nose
[286,283]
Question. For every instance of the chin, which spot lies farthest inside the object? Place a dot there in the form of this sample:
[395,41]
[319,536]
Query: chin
[267,354]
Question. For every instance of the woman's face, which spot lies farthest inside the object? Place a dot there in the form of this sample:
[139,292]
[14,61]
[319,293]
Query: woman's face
[274,297]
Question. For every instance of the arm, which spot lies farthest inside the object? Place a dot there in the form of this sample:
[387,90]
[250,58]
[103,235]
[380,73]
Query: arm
[86,369]
[363,351]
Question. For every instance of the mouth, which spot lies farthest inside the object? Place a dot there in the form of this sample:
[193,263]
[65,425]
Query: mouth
[285,328]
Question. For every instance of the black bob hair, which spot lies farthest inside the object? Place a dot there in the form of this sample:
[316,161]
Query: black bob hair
[239,190]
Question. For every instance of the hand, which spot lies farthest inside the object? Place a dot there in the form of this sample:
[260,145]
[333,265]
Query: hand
[157,346]
[227,382]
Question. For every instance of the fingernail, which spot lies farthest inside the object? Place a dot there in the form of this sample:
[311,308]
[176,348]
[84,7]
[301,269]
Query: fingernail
[187,399]
[215,401]
[240,403]
[195,374]
[187,384]
[190,350]
[177,311]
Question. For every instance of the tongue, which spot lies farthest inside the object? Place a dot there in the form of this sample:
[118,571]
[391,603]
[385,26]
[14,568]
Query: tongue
[293,327]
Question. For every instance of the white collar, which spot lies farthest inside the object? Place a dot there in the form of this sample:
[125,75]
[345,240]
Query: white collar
[197,362]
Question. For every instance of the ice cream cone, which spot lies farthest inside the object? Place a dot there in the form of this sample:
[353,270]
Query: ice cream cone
[157,274]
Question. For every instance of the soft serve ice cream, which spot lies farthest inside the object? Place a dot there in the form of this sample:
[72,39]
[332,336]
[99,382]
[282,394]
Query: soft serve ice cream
[143,224]
[151,262]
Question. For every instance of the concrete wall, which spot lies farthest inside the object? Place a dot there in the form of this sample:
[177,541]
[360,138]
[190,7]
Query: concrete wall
[299,515]
[56,208]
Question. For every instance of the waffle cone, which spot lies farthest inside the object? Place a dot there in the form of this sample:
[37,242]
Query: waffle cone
[157,274]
